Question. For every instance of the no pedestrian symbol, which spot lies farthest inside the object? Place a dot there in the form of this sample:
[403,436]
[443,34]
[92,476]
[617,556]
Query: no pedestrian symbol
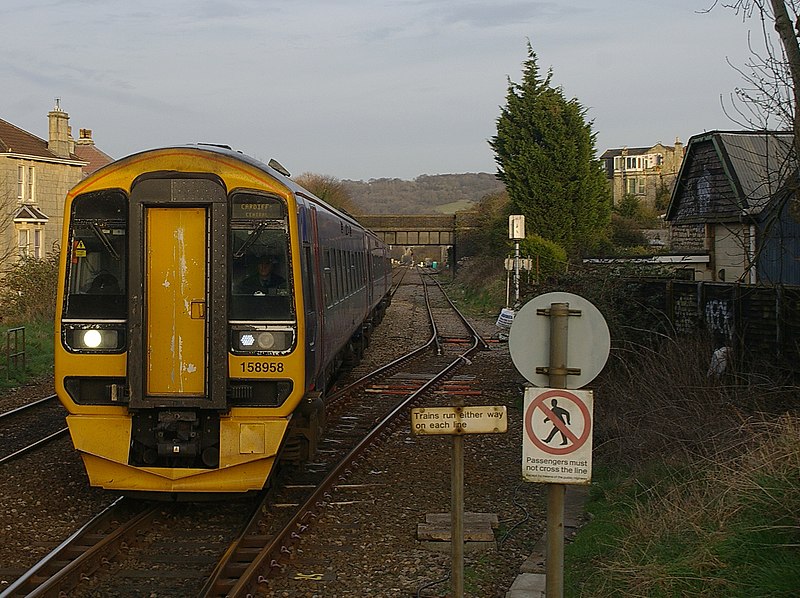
[557,438]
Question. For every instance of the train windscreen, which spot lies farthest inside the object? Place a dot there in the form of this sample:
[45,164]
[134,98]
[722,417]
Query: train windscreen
[97,262]
[260,282]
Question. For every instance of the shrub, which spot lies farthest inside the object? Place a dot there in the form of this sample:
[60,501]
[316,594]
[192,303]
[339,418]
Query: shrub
[28,291]
[551,257]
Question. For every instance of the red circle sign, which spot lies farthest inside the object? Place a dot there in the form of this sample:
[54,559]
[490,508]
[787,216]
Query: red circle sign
[577,441]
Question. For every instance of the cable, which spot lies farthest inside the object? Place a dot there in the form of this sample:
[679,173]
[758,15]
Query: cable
[522,508]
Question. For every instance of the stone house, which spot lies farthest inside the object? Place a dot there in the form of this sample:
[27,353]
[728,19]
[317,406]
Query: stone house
[731,203]
[35,176]
[642,172]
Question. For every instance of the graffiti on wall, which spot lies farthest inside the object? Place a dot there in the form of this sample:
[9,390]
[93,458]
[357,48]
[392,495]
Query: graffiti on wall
[719,317]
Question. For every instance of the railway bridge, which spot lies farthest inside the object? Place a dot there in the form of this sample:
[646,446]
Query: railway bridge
[423,236]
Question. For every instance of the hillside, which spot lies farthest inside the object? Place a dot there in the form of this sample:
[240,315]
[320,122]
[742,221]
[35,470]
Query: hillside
[427,194]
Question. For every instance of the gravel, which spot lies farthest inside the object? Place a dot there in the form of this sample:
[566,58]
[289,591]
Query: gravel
[365,542]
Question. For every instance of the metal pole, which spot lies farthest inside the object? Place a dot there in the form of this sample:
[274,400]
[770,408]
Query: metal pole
[516,274]
[554,582]
[457,517]
[508,288]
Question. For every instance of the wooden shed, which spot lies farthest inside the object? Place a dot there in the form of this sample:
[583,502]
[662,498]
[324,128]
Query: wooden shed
[732,202]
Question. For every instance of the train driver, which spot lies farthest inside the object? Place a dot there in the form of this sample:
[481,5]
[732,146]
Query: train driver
[265,281]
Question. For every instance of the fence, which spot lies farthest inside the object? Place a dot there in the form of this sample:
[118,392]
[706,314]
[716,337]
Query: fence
[15,349]
[758,322]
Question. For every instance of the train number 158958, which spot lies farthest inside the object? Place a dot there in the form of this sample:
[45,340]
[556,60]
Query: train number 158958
[261,367]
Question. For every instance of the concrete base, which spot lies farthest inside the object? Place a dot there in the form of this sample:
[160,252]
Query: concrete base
[527,585]
[532,579]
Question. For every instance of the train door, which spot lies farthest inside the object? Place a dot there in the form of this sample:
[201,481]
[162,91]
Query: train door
[315,302]
[175,271]
[177,351]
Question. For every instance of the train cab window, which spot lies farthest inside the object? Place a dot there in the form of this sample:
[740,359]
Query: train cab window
[260,282]
[97,257]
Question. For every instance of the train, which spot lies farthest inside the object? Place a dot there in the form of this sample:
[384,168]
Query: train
[205,302]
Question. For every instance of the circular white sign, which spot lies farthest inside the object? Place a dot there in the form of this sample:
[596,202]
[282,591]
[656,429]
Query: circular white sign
[588,339]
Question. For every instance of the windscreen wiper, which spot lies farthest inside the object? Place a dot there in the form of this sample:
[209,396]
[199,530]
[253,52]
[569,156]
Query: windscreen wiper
[104,240]
[252,238]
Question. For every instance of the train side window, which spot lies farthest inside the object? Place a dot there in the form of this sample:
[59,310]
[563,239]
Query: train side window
[308,291]
[97,259]
[328,276]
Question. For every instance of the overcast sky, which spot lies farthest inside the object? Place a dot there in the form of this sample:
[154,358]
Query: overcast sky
[361,89]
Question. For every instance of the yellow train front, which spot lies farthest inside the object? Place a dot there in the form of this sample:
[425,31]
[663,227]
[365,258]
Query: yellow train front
[205,301]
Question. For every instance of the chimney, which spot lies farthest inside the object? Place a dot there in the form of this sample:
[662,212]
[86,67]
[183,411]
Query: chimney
[59,142]
[85,137]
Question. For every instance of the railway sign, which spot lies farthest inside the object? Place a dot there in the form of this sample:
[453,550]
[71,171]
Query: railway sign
[588,344]
[557,436]
[459,420]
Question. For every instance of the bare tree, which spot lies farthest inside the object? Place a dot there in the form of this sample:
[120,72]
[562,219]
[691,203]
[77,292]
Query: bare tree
[771,95]
[329,189]
[8,244]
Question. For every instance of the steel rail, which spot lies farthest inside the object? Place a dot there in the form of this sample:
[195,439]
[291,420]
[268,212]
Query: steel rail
[33,446]
[77,555]
[483,344]
[338,473]
[27,406]
[391,366]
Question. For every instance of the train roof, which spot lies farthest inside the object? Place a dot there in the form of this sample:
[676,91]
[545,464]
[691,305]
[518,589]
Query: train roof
[273,168]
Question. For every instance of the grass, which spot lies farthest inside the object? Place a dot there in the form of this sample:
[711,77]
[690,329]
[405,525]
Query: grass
[38,354]
[696,479]
[726,528]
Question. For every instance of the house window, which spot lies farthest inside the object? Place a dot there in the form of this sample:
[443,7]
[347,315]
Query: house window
[635,186]
[30,181]
[37,243]
[25,184]
[635,163]
[24,240]
[20,182]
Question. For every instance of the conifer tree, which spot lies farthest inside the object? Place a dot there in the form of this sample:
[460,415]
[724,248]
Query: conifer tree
[545,152]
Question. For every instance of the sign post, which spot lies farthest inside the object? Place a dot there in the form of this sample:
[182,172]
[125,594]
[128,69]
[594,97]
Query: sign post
[516,232]
[457,421]
[569,365]
[554,584]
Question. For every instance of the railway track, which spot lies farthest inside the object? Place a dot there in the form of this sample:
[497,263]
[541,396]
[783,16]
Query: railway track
[30,426]
[174,549]
[380,398]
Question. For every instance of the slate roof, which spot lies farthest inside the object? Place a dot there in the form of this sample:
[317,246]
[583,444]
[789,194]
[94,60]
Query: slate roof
[15,140]
[755,165]
[630,151]
[28,213]
[759,164]
[95,158]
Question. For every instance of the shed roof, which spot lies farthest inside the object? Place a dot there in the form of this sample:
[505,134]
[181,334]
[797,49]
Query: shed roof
[755,164]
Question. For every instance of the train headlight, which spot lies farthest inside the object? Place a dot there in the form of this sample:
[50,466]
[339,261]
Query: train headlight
[94,339]
[255,340]
[266,341]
